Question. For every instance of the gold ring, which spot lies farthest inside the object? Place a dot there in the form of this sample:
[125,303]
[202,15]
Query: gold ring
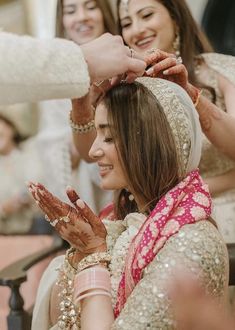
[65,218]
[151,51]
[179,60]
[132,52]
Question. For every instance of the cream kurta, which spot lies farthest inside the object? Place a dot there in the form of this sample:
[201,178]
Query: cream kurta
[196,247]
[213,162]
[33,69]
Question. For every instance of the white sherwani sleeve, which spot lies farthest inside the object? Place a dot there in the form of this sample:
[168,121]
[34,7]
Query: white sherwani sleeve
[35,69]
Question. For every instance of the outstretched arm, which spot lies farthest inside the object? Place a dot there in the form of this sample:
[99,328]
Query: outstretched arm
[34,69]
[217,125]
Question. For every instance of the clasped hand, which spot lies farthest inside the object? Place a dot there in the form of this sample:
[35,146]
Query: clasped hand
[76,224]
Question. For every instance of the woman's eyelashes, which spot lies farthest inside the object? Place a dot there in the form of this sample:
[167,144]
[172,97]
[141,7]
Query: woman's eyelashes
[144,15]
[108,139]
[91,5]
[125,24]
[147,15]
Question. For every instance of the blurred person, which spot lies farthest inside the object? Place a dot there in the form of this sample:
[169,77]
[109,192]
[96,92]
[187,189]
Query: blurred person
[194,309]
[21,229]
[80,21]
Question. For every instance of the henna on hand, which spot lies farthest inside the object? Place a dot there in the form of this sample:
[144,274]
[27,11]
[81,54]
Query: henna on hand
[78,225]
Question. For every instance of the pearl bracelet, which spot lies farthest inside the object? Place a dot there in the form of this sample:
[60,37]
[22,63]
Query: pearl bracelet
[81,128]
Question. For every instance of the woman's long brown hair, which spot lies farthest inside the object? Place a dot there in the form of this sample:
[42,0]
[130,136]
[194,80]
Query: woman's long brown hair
[145,145]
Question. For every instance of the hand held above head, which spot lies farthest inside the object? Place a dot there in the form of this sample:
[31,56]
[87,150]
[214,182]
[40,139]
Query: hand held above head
[78,225]
[107,57]
[168,66]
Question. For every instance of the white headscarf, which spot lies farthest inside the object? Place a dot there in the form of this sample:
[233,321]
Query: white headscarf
[182,117]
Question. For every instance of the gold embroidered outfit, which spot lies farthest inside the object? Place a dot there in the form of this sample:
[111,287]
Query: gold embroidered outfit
[213,162]
[196,247]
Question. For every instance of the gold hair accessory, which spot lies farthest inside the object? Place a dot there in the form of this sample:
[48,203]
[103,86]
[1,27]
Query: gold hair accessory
[81,128]
[94,259]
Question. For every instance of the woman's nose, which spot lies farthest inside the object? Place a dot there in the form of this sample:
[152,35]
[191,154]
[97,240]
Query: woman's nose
[95,151]
[137,27]
[81,14]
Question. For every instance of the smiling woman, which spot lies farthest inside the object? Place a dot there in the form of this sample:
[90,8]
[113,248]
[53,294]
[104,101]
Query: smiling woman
[148,142]
[147,26]
[84,20]
[169,26]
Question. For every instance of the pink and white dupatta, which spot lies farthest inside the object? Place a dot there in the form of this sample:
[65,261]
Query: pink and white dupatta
[186,203]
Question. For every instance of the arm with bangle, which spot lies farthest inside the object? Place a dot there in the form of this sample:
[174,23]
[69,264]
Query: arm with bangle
[82,118]
[217,125]
[92,292]
[82,124]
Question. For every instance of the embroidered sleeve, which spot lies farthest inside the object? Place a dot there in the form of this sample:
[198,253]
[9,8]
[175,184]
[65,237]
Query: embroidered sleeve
[223,64]
[41,69]
[197,248]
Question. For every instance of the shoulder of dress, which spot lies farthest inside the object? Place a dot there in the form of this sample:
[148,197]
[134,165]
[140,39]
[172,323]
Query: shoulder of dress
[198,231]
[222,64]
[197,245]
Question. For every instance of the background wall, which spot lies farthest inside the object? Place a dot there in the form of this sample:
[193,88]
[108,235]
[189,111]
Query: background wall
[197,7]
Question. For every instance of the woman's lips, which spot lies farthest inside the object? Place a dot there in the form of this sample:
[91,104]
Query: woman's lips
[104,169]
[145,42]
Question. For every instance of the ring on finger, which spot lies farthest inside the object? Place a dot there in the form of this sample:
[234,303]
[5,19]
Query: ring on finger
[131,52]
[65,218]
[151,51]
[54,222]
[179,60]
[47,218]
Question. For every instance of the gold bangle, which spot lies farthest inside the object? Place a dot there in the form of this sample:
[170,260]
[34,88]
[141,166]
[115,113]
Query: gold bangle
[81,128]
[198,98]
[94,259]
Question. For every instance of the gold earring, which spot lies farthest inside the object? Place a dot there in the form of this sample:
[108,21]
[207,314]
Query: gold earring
[176,44]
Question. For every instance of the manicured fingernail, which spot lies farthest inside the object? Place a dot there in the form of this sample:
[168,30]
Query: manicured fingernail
[41,192]
[80,203]
[69,188]
[150,71]
[166,72]
[36,196]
